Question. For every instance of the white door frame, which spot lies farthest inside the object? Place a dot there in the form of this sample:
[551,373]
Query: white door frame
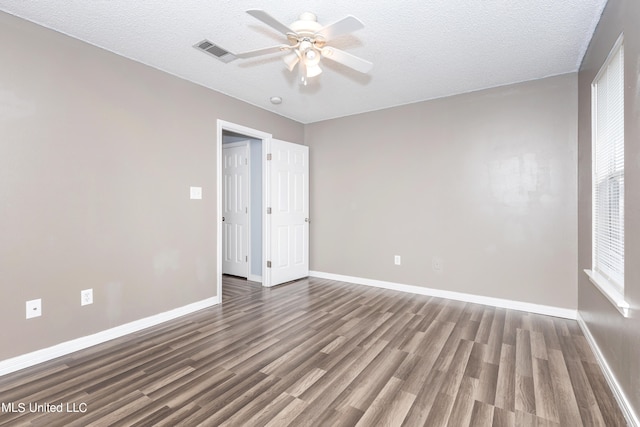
[266,142]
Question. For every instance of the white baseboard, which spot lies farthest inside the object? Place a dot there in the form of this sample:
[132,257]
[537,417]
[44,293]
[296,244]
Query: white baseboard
[458,296]
[30,359]
[621,398]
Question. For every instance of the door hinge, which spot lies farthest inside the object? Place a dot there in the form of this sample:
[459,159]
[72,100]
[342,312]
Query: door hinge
[268,211]
[246,209]
[268,264]
[246,258]
[246,162]
[269,156]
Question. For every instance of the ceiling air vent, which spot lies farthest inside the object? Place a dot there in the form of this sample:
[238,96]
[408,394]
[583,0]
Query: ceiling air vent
[215,51]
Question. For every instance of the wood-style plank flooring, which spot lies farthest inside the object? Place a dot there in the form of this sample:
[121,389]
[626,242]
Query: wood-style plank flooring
[323,353]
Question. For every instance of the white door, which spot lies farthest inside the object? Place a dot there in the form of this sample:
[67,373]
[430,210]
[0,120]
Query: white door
[235,208]
[288,223]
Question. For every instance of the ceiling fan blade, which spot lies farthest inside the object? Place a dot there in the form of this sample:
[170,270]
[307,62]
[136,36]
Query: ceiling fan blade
[345,25]
[264,51]
[263,16]
[344,58]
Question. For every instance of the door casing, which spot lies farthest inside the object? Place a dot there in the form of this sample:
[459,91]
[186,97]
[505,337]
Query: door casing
[266,147]
[266,139]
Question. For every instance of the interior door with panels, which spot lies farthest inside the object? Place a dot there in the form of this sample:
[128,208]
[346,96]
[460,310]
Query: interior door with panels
[235,236]
[288,204]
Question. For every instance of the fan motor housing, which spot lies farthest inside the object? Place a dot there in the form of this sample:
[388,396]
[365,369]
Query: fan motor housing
[307,24]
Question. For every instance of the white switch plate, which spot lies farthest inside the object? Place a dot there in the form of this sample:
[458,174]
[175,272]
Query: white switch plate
[34,308]
[195,193]
[397,260]
[86,297]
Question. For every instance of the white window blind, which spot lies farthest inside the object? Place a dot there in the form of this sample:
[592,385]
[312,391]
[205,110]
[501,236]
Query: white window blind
[608,169]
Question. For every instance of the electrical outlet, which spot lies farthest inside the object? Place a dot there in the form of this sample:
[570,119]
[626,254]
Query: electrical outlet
[86,297]
[34,308]
[195,193]
[437,264]
[397,260]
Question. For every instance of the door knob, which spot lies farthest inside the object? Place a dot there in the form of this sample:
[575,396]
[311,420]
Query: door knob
[222,218]
[307,220]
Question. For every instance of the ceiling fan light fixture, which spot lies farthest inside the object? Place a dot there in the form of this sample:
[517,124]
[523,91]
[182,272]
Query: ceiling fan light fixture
[311,58]
[305,45]
[291,60]
[313,70]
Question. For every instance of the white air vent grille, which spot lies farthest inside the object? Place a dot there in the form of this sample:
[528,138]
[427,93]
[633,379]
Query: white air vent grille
[214,50]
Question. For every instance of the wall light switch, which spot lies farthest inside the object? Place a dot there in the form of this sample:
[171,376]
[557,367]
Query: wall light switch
[34,308]
[195,193]
[397,260]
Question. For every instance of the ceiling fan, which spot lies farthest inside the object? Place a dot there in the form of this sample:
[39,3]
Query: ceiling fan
[308,43]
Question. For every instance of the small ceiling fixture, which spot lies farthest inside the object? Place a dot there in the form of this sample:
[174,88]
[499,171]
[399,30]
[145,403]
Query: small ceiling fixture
[308,43]
[275,100]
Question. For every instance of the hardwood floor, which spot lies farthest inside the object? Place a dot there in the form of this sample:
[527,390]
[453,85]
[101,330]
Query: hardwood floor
[318,352]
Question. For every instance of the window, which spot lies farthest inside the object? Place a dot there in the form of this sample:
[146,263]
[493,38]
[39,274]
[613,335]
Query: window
[608,172]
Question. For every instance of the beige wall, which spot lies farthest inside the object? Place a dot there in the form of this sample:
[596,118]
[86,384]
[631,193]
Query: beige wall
[97,154]
[484,181]
[618,338]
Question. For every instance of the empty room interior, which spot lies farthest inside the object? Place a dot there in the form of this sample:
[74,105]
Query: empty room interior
[427,214]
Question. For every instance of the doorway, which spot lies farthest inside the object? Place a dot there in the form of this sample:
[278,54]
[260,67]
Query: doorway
[230,133]
[277,249]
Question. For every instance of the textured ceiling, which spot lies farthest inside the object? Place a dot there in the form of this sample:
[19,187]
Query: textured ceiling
[421,49]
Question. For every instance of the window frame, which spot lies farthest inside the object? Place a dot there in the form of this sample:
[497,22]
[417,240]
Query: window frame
[607,184]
